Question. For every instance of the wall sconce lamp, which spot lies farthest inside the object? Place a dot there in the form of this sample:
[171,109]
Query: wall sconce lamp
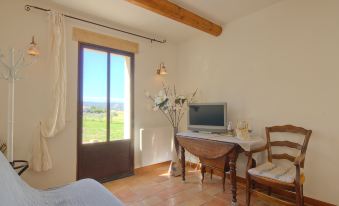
[33,48]
[162,69]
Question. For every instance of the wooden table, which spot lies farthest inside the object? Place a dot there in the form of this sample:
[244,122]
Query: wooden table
[212,150]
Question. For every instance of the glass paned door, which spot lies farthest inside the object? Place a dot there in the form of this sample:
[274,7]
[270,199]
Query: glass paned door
[94,118]
[120,97]
[101,75]
[105,111]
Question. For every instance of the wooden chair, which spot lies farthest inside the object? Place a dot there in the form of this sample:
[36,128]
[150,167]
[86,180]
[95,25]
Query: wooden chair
[292,179]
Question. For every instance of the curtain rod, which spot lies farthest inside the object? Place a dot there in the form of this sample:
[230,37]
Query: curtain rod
[29,7]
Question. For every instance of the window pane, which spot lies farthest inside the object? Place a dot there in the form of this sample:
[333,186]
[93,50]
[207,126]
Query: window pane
[94,96]
[119,95]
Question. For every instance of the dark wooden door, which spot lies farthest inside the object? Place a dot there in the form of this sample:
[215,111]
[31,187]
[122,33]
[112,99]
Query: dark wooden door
[105,113]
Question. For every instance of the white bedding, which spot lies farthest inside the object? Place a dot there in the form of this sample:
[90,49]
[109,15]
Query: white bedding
[15,192]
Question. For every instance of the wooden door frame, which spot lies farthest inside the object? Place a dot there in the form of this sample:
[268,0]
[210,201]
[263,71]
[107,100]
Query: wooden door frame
[81,46]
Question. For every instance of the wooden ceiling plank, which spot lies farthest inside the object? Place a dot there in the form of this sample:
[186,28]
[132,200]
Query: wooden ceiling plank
[177,13]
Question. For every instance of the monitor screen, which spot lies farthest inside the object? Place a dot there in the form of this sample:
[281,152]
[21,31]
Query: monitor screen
[207,115]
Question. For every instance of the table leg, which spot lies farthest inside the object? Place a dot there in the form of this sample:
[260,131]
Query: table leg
[233,175]
[254,164]
[183,163]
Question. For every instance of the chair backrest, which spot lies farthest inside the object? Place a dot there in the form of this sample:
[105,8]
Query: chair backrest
[285,143]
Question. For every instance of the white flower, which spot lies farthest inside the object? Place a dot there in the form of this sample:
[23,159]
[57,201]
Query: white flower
[158,100]
[172,105]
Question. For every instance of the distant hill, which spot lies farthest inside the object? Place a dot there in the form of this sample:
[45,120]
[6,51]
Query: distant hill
[114,105]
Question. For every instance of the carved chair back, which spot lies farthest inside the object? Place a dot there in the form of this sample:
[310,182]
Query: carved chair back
[285,143]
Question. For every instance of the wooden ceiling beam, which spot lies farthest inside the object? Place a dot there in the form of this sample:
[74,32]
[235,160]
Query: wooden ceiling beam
[177,13]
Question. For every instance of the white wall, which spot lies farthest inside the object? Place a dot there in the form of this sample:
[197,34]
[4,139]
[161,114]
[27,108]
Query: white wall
[158,139]
[279,65]
[276,66]
[17,27]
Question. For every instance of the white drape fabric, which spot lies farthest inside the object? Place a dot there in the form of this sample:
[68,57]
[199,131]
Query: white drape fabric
[56,121]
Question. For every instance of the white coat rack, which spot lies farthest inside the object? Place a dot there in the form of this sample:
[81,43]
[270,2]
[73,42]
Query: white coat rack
[11,66]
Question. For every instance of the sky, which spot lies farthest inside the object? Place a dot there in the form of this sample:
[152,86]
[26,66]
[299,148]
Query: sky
[95,77]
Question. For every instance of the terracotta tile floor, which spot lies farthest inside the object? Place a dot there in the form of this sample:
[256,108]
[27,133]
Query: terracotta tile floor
[155,187]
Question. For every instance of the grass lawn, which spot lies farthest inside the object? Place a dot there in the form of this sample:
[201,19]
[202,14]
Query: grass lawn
[94,127]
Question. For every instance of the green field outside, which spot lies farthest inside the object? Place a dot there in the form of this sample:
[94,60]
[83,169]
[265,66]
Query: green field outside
[94,126]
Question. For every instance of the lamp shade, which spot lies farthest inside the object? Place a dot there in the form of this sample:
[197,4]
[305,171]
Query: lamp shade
[162,69]
[33,48]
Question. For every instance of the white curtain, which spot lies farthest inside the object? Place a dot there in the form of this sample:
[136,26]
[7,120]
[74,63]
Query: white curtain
[41,160]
